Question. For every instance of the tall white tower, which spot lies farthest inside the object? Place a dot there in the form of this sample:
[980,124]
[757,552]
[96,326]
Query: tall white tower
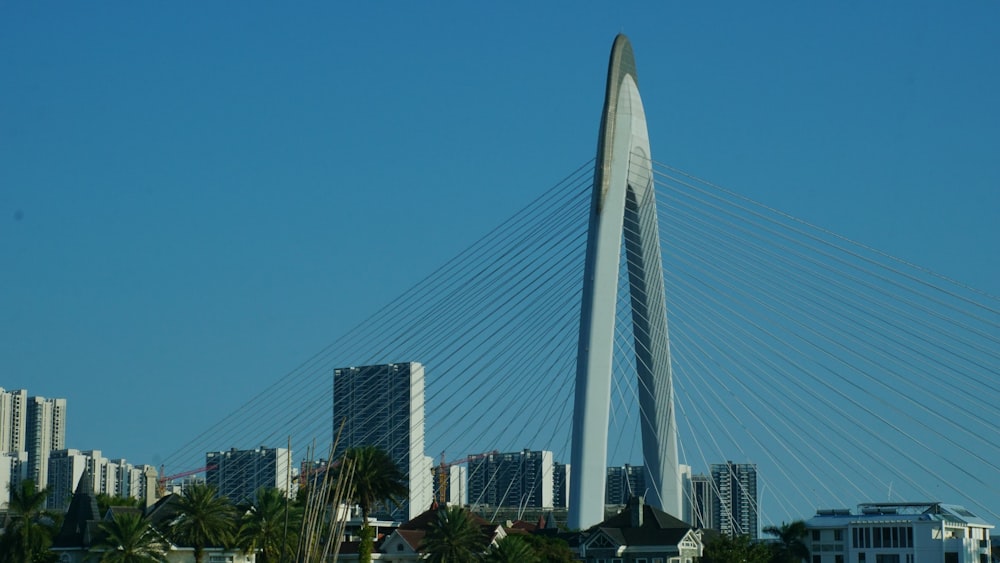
[13,405]
[45,431]
[623,204]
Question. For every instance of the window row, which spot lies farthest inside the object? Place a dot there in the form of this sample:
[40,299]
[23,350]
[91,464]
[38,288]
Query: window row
[882,536]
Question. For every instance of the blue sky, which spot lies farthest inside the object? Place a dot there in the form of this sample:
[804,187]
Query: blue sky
[195,198]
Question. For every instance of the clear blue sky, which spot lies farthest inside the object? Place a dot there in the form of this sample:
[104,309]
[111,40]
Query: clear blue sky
[194,197]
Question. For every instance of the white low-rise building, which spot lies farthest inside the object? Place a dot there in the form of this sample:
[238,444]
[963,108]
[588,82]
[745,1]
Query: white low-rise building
[930,532]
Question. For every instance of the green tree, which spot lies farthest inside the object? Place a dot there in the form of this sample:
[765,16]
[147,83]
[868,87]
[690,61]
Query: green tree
[106,501]
[203,520]
[551,549]
[128,538]
[29,530]
[454,537]
[790,547]
[739,549]
[270,526]
[512,549]
[374,480]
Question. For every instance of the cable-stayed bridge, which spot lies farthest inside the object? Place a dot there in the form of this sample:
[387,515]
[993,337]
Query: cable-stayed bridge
[845,374]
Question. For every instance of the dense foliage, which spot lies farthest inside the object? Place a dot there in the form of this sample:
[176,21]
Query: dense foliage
[454,537]
[791,546]
[739,549]
[270,526]
[203,520]
[128,538]
[512,549]
[29,530]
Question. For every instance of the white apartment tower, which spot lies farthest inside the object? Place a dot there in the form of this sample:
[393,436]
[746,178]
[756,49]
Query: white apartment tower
[13,405]
[383,406]
[13,469]
[45,431]
[64,469]
[112,477]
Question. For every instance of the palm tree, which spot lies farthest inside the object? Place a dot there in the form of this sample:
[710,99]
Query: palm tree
[512,549]
[203,520]
[374,479]
[27,536]
[128,538]
[790,548]
[453,537]
[269,527]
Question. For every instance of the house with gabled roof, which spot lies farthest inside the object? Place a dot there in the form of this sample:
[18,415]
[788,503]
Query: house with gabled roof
[640,534]
[81,529]
[405,543]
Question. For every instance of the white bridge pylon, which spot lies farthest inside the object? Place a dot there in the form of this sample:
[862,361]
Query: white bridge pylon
[623,204]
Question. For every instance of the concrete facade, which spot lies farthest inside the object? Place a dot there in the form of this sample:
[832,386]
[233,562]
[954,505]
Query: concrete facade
[623,207]
[116,478]
[383,406]
[899,533]
[514,480]
[624,482]
[13,414]
[734,505]
[45,432]
[237,474]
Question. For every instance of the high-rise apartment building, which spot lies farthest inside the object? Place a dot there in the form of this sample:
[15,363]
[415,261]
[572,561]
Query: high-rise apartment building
[237,474]
[64,469]
[517,479]
[13,469]
[451,484]
[624,483]
[112,477]
[13,407]
[383,406]
[735,502]
[560,484]
[702,501]
[45,432]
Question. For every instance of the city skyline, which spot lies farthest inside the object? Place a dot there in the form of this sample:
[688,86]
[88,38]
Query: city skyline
[189,272]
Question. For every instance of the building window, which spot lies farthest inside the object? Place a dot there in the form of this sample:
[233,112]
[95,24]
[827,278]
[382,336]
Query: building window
[838,535]
[888,558]
[815,534]
[817,559]
[861,557]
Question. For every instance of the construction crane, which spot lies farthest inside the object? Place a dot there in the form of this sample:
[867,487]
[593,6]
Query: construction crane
[442,473]
[161,489]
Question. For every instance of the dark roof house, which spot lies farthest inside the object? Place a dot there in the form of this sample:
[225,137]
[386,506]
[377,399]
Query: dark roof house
[640,533]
